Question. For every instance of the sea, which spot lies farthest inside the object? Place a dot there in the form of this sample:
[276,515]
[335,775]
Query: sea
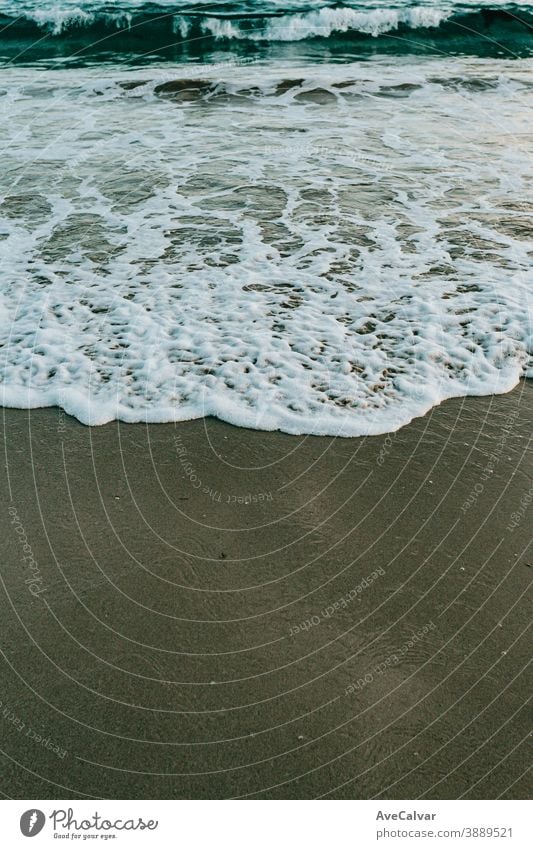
[307,216]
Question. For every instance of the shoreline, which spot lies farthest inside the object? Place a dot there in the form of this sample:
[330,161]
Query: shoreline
[419,403]
[196,610]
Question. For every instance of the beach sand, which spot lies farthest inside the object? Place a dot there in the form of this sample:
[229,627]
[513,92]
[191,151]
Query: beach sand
[212,612]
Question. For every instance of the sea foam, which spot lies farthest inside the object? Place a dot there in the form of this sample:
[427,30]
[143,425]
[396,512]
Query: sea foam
[324,22]
[324,250]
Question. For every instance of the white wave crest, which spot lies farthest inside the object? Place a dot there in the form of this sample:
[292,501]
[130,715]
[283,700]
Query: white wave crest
[324,22]
[58,20]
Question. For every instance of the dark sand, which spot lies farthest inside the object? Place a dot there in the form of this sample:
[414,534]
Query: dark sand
[162,652]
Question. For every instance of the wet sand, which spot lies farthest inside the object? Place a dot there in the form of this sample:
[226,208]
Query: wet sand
[212,612]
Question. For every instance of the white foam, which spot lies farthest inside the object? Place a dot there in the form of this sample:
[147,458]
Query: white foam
[333,256]
[57,19]
[325,22]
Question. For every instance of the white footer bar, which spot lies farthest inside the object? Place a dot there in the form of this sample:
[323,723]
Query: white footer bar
[274,825]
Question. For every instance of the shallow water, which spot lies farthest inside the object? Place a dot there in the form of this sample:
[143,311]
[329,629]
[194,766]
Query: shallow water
[322,247]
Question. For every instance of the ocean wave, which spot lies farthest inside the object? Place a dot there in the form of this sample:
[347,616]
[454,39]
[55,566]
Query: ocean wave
[272,26]
[179,31]
[324,22]
[296,21]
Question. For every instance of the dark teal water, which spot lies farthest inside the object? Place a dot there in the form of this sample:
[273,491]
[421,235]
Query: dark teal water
[179,30]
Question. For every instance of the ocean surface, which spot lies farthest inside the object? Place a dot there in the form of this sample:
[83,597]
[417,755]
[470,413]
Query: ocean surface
[308,216]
